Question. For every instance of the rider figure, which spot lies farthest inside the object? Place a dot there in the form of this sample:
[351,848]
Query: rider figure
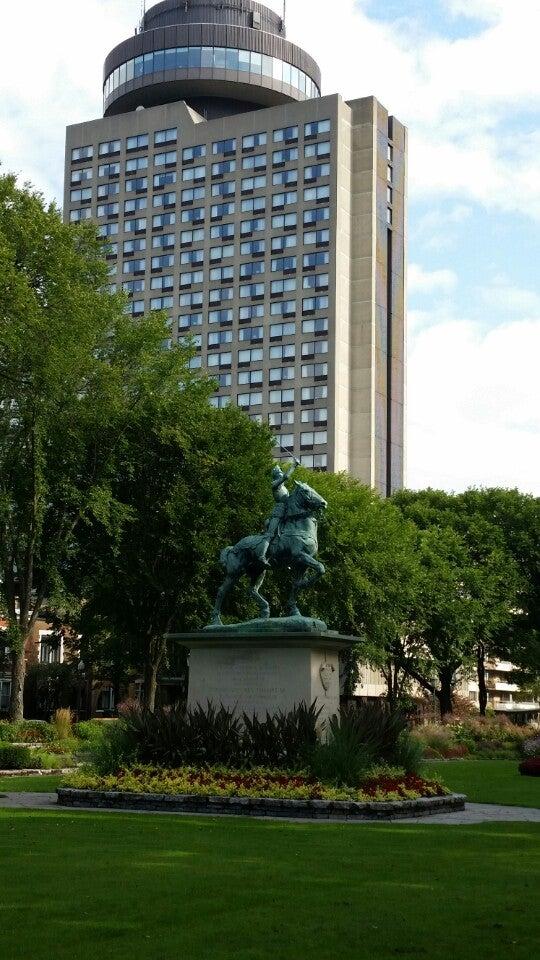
[281,495]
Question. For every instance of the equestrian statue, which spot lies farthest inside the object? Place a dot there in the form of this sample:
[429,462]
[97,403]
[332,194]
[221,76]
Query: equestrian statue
[289,541]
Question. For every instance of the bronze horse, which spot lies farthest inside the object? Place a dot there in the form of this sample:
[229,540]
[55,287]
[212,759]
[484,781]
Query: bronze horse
[295,547]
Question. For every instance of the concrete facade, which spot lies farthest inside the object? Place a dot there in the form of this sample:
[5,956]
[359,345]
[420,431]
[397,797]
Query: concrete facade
[283,242]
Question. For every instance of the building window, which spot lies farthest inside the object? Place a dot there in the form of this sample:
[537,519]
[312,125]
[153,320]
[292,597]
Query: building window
[109,170]
[161,303]
[283,397]
[286,135]
[81,153]
[245,357]
[317,415]
[315,216]
[139,142]
[254,140]
[247,400]
[223,167]
[284,265]
[316,128]
[284,308]
[221,253]
[189,154]
[163,220]
[187,320]
[250,184]
[285,178]
[316,171]
[51,649]
[252,269]
[319,150]
[164,241]
[317,461]
[255,311]
[284,418]
[167,159]
[83,195]
[164,200]
[227,188]
[188,237]
[195,215]
[80,175]
[314,370]
[279,330]
[5,695]
[164,179]
[257,162]
[316,194]
[253,248]
[194,257]
[191,300]
[223,359]
[193,174]
[255,291]
[317,238]
[223,317]
[220,210]
[310,394]
[105,701]
[109,148]
[284,351]
[253,334]
[162,137]
[224,147]
[136,163]
[281,157]
[223,231]
[84,213]
[256,225]
[220,402]
[250,378]
[134,206]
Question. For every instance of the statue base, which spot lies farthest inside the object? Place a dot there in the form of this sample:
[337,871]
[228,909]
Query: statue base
[260,673]
[272,625]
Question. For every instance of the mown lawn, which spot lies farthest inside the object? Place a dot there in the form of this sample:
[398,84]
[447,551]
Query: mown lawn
[83,886]
[29,784]
[488,781]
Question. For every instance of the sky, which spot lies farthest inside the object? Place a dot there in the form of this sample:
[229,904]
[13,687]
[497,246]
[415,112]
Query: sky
[463,76]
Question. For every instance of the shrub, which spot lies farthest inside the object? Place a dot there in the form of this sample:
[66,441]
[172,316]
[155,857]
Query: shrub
[18,758]
[62,723]
[43,760]
[344,758]
[26,731]
[435,737]
[282,740]
[408,753]
[530,768]
[531,747]
[91,729]
[111,751]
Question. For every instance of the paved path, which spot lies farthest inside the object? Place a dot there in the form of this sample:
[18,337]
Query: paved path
[473,813]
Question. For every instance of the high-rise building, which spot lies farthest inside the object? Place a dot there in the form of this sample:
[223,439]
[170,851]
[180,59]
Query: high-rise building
[266,219]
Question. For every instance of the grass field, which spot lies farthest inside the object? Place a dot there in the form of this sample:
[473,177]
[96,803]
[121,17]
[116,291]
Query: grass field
[84,886]
[488,781]
[29,784]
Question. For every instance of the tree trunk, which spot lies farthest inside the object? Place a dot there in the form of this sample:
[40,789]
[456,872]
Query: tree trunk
[156,650]
[444,693]
[481,671]
[18,670]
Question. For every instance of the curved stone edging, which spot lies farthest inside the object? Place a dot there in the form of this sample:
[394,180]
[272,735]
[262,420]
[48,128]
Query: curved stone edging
[38,772]
[259,806]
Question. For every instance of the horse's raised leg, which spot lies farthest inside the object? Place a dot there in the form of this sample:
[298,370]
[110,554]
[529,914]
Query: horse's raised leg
[225,588]
[305,563]
[256,584]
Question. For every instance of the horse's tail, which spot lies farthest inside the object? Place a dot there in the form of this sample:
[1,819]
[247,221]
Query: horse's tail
[224,556]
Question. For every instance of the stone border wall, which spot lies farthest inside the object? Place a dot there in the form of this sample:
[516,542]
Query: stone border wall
[260,807]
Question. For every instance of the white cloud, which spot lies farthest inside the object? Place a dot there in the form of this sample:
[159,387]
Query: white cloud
[474,406]
[430,281]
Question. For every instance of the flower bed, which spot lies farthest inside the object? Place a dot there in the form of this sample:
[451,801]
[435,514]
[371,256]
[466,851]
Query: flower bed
[256,783]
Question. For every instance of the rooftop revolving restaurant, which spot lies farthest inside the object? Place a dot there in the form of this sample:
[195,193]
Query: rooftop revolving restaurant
[220,57]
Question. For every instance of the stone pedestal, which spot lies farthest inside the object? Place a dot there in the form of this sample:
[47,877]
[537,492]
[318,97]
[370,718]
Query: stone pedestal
[260,674]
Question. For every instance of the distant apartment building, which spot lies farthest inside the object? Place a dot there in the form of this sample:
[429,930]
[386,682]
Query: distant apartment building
[268,221]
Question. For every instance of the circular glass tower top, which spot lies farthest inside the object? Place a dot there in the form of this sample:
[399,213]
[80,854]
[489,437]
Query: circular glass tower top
[220,56]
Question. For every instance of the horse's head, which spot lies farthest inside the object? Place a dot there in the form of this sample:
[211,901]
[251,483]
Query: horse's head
[307,498]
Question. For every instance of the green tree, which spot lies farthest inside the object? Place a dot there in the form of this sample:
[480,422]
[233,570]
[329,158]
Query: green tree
[190,483]
[470,585]
[371,569]
[74,371]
